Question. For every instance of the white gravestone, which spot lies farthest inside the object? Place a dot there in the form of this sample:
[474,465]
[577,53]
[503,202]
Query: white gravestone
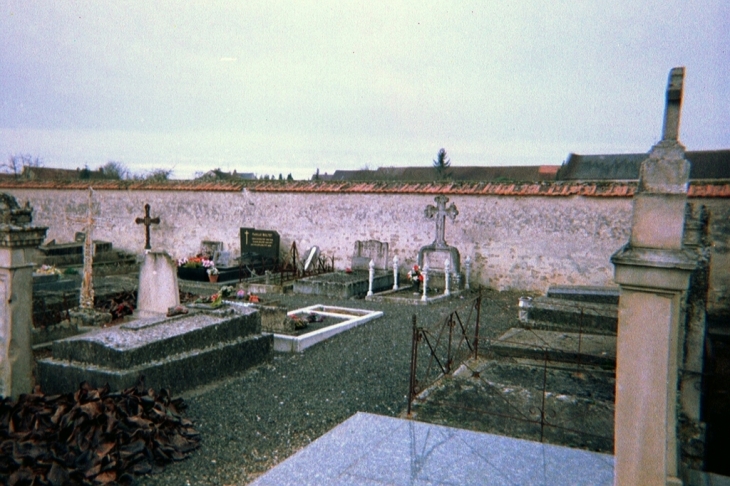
[158,289]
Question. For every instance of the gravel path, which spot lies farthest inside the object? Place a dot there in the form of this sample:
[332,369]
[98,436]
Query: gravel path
[259,418]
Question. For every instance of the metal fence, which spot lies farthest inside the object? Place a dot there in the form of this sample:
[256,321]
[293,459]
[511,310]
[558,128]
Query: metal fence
[533,406]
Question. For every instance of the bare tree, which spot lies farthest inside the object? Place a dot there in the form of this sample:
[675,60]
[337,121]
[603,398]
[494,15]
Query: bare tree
[116,170]
[158,175]
[16,163]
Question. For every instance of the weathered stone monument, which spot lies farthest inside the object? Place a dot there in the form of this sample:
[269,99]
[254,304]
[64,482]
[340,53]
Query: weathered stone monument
[653,271]
[435,255]
[158,287]
[18,242]
[86,300]
[367,251]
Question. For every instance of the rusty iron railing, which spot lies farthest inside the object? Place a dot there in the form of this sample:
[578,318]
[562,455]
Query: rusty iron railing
[454,341]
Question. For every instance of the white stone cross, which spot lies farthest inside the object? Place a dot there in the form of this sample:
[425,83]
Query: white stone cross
[439,212]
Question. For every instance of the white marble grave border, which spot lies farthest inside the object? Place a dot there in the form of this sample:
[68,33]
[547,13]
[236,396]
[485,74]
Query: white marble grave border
[297,344]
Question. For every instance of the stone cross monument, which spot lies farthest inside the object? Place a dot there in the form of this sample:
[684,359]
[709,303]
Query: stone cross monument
[435,254]
[439,213]
[653,271]
[18,241]
[147,221]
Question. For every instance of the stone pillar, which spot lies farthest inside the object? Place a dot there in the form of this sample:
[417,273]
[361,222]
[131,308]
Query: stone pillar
[18,242]
[653,272]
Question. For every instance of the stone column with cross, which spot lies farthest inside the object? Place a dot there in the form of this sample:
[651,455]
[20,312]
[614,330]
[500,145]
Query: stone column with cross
[440,212]
[435,253]
[18,242]
[147,221]
[653,271]
[86,298]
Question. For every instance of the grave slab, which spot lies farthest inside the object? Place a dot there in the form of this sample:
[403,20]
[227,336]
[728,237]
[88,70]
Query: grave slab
[568,315]
[377,450]
[585,293]
[350,318]
[409,296]
[179,353]
[343,285]
[557,346]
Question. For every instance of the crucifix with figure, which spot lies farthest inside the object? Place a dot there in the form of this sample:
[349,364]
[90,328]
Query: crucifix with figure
[440,212]
[147,221]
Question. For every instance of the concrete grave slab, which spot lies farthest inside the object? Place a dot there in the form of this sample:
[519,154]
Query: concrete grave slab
[349,318]
[591,349]
[180,352]
[343,285]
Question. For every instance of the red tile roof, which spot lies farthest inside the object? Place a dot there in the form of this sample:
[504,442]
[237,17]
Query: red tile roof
[707,189]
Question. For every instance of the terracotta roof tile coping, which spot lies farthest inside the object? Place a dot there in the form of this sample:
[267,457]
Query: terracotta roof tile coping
[707,189]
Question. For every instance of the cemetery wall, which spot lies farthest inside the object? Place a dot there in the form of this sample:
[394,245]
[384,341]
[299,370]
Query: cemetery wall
[515,241]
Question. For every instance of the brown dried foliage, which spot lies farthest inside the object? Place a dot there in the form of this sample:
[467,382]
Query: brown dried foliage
[92,436]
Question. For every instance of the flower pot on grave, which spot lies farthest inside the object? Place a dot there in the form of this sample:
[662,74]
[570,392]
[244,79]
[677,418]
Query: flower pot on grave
[213,278]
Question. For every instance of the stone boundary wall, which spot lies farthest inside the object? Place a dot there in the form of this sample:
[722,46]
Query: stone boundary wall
[519,236]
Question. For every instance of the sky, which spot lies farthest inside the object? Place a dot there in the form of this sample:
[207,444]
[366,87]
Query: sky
[279,87]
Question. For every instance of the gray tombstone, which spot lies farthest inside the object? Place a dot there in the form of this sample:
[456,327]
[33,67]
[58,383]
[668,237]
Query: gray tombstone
[158,288]
[222,258]
[209,248]
[365,251]
[311,258]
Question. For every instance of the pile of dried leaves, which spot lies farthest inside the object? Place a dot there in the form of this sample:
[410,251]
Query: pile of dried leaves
[92,436]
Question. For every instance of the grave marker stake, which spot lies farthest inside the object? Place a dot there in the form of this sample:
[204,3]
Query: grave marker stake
[425,282]
[395,273]
[371,277]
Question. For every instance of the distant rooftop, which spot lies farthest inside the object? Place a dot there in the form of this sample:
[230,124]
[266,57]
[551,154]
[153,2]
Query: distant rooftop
[705,164]
[428,174]
[219,175]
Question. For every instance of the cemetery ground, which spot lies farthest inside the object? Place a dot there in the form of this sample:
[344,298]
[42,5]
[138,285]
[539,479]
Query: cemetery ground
[253,421]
